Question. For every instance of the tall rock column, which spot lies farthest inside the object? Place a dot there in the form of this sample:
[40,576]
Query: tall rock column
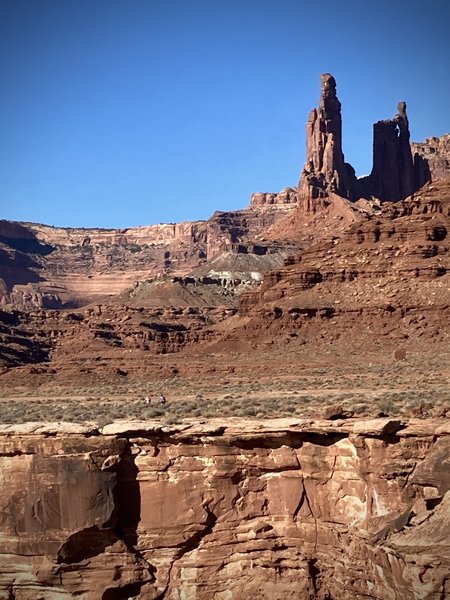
[325,169]
[392,176]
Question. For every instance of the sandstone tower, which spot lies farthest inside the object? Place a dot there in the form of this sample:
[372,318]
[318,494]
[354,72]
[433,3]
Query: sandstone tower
[325,171]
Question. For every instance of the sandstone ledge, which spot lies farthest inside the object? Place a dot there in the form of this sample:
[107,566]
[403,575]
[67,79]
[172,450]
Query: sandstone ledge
[238,427]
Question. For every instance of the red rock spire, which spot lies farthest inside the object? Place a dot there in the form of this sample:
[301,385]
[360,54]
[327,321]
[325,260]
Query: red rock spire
[325,169]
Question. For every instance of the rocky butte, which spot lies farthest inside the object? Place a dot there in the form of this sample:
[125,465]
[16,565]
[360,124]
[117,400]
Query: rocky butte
[249,310]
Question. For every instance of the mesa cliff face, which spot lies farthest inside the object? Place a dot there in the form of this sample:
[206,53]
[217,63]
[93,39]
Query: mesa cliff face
[49,267]
[275,509]
[386,275]
[44,266]
[431,159]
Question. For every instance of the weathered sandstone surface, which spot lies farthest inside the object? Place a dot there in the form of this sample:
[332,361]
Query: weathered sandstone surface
[325,169]
[345,509]
[286,196]
[62,336]
[45,266]
[394,174]
[432,159]
[386,275]
[324,274]
[49,267]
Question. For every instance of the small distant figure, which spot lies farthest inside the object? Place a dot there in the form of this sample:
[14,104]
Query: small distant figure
[162,400]
[147,400]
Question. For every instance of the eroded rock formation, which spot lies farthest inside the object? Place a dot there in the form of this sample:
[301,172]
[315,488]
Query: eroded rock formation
[389,272]
[232,509]
[60,336]
[392,176]
[395,175]
[326,172]
[51,267]
[325,169]
[286,196]
[386,273]
[431,159]
[278,509]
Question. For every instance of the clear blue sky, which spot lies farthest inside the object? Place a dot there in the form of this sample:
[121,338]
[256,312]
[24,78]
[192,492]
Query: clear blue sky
[117,113]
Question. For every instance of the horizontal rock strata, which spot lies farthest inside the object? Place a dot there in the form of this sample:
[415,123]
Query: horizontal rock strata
[431,159]
[348,509]
[385,276]
[51,267]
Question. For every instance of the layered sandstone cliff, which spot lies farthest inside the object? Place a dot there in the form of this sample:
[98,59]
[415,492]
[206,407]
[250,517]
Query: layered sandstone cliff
[431,159]
[44,266]
[51,267]
[386,275]
[271,509]
[229,509]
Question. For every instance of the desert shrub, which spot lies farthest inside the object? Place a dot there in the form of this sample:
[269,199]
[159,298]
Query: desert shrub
[360,409]
[102,421]
[154,412]
[388,406]
[209,413]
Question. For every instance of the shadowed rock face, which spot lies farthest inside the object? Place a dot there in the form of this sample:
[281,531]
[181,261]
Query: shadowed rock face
[60,511]
[392,176]
[290,509]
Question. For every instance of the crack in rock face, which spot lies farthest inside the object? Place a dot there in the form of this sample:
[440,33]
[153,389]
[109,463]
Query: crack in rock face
[339,509]
[61,509]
